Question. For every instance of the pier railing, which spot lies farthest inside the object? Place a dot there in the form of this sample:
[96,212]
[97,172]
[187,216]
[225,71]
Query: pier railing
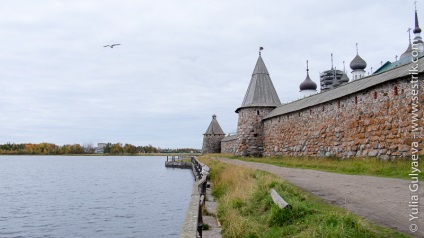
[176,157]
[193,222]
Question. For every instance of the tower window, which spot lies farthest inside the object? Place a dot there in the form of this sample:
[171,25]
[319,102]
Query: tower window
[375,95]
[338,104]
[257,112]
[396,91]
[356,99]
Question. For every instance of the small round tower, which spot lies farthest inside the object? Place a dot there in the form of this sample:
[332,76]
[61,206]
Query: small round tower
[212,137]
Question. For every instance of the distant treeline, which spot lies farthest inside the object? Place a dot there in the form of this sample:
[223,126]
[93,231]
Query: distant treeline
[109,148]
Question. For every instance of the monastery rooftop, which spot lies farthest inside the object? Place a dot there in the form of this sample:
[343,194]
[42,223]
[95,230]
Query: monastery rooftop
[346,89]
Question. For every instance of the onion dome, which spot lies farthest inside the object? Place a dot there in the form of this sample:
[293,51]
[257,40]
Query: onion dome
[344,78]
[358,63]
[407,53]
[336,82]
[308,84]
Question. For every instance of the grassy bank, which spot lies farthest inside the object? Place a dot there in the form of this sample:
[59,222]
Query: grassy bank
[246,208]
[400,168]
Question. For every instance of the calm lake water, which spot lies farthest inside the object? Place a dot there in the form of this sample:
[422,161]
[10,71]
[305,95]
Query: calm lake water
[90,196]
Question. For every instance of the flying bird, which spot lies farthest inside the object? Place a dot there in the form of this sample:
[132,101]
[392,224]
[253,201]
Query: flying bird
[111,46]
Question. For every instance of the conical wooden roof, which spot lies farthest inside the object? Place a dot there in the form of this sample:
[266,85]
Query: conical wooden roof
[261,91]
[214,128]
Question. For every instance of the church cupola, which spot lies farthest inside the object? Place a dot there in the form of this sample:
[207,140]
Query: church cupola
[358,65]
[344,79]
[408,52]
[308,87]
[336,82]
[418,41]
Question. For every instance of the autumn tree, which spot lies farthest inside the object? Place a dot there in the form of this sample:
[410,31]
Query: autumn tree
[130,149]
[116,149]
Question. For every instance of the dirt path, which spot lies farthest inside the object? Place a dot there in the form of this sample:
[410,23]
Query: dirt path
[382,200]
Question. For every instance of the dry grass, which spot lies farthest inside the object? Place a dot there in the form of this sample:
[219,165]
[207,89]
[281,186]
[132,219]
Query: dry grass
[246,208]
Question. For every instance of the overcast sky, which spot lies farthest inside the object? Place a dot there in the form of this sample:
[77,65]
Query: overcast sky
[179,62]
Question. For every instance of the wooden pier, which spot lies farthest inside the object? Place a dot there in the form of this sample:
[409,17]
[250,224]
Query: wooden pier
[176,161]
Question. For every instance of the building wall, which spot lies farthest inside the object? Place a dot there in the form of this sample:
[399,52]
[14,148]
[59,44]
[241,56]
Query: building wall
[375,122]
[228,145]
[212,143]
[250,133]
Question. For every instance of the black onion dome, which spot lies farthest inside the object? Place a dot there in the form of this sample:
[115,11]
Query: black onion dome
[308,84]
[344,78]
[358,63]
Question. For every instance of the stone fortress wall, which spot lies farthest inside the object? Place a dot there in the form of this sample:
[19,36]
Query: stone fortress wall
[229,144]
[375,122]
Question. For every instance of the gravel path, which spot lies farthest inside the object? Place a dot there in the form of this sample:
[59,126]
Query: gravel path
[382,200]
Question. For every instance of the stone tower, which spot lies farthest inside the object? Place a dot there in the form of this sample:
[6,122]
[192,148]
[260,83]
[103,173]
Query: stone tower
[212,137]
[260,99]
